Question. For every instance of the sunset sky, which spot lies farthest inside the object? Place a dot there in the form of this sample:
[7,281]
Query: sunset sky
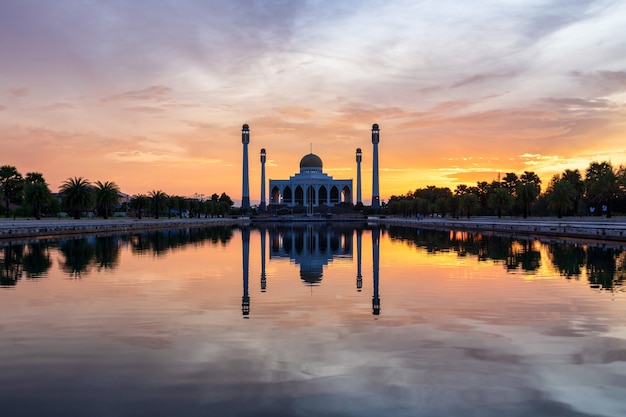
[152,94]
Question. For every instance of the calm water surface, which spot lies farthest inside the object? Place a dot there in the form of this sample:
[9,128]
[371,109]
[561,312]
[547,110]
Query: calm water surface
[303,320]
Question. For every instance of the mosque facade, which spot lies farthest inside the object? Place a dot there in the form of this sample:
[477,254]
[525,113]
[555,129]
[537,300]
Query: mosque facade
[311,187]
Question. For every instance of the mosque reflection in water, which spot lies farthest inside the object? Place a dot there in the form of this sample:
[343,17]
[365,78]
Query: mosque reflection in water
[311,247]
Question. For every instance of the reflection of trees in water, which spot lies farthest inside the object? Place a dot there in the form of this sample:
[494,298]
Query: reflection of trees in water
[515,254]
[606,267]
[160,242]
[11,265]
[432,240]
[107,252]
[601,268]
[78,254]
[568,259]
[522,254]
[37,261]
[102,251]
[620,273]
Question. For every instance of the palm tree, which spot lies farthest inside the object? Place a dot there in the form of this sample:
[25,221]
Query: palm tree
[11,185]
[159,199]
[37,194]
[510,182]
[527,190]
[77,195]
[106,196]
[561,195]
[574,178]
[500,199]
[601,184]
[468,202]
[139,203]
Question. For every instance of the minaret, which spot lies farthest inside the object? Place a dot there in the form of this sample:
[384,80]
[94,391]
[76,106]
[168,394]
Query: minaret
[375,190]
[245,191]
[359,158]
[245,255]
[375,268]
[262,205]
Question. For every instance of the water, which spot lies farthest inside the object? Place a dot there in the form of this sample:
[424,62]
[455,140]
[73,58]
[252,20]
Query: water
[303,320]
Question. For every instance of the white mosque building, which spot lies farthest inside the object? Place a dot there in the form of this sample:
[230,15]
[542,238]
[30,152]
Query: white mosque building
[311,187]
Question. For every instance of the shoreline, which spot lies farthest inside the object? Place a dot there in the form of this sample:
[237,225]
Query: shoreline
[32,228]
[576,229]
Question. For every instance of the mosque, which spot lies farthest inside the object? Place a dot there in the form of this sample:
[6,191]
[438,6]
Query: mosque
[311,188]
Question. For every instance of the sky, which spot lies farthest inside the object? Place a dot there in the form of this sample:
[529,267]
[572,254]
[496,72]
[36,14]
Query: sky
[152,94]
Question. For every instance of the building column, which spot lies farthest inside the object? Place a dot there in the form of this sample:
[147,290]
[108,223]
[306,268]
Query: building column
[263,205]
[375,189]
[245,187]
[305,194]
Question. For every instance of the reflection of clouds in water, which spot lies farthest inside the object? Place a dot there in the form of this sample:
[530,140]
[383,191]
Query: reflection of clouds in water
[486,370]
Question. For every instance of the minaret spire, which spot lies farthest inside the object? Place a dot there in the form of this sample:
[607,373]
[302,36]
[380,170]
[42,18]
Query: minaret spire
[245,187]
[263,205]
[375,190]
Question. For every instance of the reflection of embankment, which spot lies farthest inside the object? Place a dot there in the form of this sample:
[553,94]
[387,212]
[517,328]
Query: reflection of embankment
[604,267]
[608,233]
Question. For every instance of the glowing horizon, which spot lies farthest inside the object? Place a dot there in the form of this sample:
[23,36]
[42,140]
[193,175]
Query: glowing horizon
[153,95]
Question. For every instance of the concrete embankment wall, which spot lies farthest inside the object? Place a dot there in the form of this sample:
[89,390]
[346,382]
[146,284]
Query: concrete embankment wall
[35,228]
[578,230]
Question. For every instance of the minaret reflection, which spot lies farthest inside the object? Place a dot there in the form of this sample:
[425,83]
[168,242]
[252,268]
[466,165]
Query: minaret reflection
[263,276]
[359,276]
[245,253]
[375,262]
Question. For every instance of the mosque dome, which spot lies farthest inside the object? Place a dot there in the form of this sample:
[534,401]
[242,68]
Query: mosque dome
[311,161]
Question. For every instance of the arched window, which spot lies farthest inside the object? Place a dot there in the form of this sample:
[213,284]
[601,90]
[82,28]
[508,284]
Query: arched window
[334,195]
[346,194]
[275,196]
[323,195]
[287,197]
[299,195]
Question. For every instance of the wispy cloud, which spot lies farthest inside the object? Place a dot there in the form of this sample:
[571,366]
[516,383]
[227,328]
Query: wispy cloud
[156,93]
[18,92]
[58,106]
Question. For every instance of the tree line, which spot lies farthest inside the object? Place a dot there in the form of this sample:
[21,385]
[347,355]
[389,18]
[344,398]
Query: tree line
[30,195]
[601,191]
